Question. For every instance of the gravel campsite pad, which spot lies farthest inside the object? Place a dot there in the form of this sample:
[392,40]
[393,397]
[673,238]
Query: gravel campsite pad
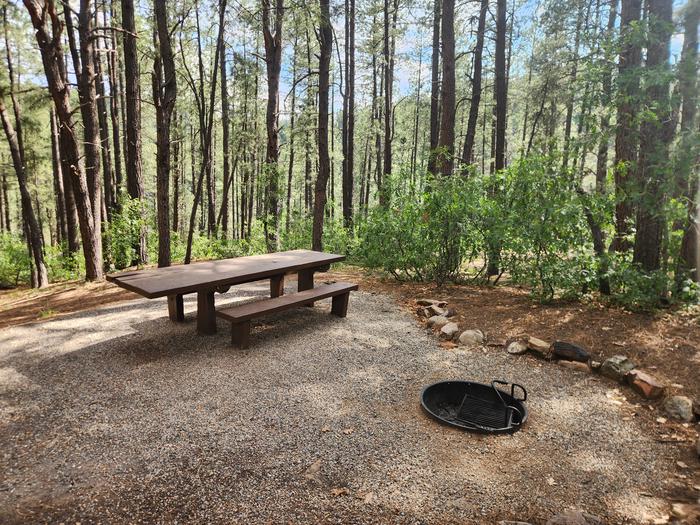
[118,415]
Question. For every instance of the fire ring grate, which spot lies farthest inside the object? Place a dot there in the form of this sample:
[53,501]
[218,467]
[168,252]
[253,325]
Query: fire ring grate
[476,407]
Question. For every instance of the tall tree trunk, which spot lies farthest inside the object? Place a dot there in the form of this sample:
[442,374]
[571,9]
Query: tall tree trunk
[61,222]
[107,169]
[32,228]
[134,175]
[388,53]
[290,168]
[325,37]
[48,35]
[656,135]
[627,133]
[468,153]
[178,149]
[501,86]
[572,88]
[225,125]
[446,142]
[273,60]
[689,257]
[435,88]
[115,94]
[349,115]
[13,133]
[87,93]
[164,96]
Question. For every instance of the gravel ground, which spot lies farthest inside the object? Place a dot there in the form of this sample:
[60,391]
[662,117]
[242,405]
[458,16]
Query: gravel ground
[118,415]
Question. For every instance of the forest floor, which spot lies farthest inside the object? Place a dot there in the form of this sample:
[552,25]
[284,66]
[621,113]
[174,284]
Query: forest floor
[109,412]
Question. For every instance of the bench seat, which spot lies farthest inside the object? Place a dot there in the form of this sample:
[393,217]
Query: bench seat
[241,315]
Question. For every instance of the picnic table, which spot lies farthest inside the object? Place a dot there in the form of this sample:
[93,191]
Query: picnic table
[208,277]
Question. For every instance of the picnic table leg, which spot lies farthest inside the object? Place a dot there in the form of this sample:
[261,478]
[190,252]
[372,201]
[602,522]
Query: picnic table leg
[305,281]
[277,285]
[206,314]
[176,309]
[339,306]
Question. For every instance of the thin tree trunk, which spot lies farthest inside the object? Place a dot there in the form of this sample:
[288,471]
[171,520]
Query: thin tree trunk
[114,92]
[446,141]
[61,223]
[273,60]
[32,227]
[349,115]
[501,86]
[206,164]
[468,153]
[435,88]
[225,125]
[290,169]
[164,96]
[325,36]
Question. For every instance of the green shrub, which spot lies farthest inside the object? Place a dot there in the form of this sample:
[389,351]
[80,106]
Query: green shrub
[14,260]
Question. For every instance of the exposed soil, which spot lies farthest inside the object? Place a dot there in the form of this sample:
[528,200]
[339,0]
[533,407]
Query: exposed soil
[115,414]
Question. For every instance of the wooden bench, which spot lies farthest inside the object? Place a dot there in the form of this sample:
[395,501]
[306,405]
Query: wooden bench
[241,315]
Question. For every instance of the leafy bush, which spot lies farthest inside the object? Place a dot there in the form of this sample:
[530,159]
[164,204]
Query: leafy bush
[14,260]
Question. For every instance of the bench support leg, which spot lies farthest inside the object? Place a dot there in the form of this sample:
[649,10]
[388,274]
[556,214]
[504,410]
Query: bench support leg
[339,306]
[206,315]
[240,334]
[277,286]
[305,281]
[176,309]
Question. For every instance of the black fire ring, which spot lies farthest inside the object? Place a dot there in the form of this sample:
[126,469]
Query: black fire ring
[476,407]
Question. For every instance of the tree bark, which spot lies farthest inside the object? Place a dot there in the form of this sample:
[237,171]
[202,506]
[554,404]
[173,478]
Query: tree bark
[689,257]
[134,175]
[225,128]
[33,230]
[501,86]
[349,115]
[627,132]
[435,88]
[468,153]
[164,96]
[325,37]
[446,141]
[656,135]
[48,35]
[61,222]
[272,36]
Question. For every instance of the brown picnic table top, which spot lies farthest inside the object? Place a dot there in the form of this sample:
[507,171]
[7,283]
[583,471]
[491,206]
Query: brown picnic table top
[190,278]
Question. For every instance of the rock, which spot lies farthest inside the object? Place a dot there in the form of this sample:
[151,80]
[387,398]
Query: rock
[679,407]
[574,517]
[570,352]
[438,321]
[436,310]
[575,365]
[423,312]
[450,312]
[595,366]
[449,331]
[617,367]
[472,337]
[516,347]
[645,384]
[431,302]
[696,409]
[540,347]
[313,472]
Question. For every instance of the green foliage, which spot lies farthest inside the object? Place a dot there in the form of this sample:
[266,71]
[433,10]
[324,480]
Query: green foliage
[531,218]
[14,260]
[124,231]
